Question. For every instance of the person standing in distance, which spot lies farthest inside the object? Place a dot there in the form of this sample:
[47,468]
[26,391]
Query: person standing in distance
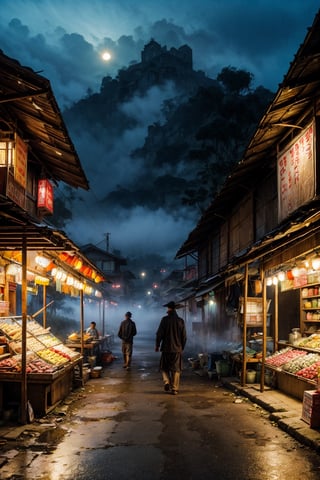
[92,331]
[127,331]
[171,338]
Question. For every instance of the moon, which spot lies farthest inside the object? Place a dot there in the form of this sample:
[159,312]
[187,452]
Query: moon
[106,56]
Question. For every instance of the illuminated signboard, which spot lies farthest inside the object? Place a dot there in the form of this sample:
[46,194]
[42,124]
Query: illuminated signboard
[20,170]
[296,173]
[45,196]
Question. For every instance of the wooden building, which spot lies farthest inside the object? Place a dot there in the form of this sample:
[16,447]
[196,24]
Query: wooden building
[258,244]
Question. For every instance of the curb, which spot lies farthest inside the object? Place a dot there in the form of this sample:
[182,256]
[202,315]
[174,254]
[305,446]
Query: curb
[287,419]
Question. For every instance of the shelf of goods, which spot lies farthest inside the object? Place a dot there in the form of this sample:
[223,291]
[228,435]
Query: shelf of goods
[296,366]
[50,365]
[310,308]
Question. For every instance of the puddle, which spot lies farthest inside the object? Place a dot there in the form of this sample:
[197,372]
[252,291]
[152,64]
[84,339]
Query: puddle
[52,436]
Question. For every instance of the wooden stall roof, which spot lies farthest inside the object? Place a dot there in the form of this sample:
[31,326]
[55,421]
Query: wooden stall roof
[27,104]
[290,108]
[39,237]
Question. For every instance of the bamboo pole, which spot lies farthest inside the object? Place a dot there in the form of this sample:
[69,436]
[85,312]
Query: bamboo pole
[264,326]
[244,335]
[276,317]
[44,301]
[24,393]
[81,322]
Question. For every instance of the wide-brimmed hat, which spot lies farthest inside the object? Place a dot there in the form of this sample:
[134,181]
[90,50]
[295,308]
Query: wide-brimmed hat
[170,305]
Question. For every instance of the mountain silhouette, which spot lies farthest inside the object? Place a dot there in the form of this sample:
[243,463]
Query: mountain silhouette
[161,136]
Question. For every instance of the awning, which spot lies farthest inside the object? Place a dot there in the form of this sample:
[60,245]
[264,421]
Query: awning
[286,116]
[27,104]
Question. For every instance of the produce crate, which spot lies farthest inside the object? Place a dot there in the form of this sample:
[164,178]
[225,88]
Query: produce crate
[292,385]
[311,408]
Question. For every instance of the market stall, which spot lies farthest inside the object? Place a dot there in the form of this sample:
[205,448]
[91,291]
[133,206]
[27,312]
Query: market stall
[50,366]
[89,346]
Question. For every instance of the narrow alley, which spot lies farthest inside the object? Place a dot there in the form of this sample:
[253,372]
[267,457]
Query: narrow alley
[125,426]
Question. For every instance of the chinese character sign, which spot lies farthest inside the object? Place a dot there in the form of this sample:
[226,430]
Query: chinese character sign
[45,196]
[20,171]
[296,174]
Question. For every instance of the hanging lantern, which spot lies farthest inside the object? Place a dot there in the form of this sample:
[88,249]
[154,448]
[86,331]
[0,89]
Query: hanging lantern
[64,256]
[78,264]
[45,196]
[316,263]
[289,275]
[42,261]
[295,272]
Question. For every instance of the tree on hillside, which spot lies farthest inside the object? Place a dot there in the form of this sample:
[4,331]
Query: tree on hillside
[234,80]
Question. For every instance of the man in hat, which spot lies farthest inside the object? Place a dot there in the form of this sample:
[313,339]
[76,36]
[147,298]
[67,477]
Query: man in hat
[171,338]
[127,331]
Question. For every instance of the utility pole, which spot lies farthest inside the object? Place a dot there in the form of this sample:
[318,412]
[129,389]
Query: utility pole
[107,241]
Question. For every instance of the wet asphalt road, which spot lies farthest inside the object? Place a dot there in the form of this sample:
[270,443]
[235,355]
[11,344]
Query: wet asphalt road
[123,426]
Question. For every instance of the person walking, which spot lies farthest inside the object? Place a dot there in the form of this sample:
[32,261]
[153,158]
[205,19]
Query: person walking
[171,338]
[127,331]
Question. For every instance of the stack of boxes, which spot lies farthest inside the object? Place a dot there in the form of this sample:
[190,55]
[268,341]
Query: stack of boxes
[311,408]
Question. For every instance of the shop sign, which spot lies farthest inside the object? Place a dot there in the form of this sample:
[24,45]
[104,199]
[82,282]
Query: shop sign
[296,173]
[45,196]
[16,192]
[20,170]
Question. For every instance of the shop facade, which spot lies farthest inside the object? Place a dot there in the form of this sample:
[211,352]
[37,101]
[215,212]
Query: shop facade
[36,154]
[257,245]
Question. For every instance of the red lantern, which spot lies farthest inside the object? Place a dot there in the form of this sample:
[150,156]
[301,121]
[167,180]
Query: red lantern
[45,196]
[290,275]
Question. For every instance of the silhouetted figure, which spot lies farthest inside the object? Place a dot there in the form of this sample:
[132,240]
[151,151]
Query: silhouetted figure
[171,338]
[126,332]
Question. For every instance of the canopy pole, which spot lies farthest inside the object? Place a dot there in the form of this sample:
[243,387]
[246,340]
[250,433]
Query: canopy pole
[264,326]
[103,317]
[24,395]
[44,301]
[244,335]
[276,318]
[81,322]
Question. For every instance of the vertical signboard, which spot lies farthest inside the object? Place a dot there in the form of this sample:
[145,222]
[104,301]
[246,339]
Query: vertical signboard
[296,173]
[20,169]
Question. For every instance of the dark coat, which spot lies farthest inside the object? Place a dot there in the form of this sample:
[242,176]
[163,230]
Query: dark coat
[127,330]
[171,335]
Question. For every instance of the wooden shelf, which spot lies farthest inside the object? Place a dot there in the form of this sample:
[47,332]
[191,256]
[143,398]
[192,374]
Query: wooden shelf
[305,322]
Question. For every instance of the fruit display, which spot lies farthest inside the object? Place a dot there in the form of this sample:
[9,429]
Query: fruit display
[34,364]
[9,364]
[33,345]
[312,342]
[64,350]
[13,331]
[311,372]
[284,356]
[53,357]
[36,329]
[45,352]
[301,362]
[40,366]
[48,340]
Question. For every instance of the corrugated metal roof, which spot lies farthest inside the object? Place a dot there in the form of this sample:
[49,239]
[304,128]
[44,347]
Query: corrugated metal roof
[288,112]
[27,102]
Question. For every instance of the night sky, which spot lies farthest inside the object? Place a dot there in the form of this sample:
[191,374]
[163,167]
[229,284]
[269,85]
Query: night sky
[64,41]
